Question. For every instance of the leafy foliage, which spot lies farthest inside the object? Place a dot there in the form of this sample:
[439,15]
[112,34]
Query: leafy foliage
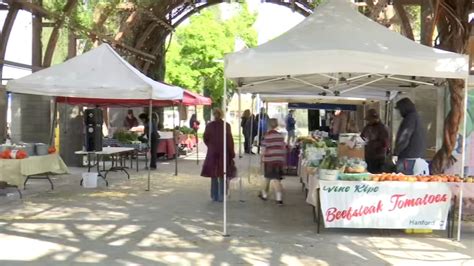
[194,59]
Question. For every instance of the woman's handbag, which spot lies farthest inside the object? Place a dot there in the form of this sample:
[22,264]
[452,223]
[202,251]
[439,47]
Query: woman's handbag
[232,171]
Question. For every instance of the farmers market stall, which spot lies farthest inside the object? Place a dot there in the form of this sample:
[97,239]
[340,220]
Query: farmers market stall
[97,74]
[344,195]
[375,59]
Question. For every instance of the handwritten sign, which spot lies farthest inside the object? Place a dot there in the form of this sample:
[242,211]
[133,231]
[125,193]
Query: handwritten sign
[389,205]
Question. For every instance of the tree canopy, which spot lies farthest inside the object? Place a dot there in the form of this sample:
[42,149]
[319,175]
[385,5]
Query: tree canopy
[195,57]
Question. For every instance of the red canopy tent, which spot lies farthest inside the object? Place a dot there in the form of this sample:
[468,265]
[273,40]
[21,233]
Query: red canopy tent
[189,99]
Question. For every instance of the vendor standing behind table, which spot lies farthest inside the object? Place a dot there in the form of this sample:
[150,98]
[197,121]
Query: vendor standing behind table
[291,127]
[194,123]
[154,136]
[339,124]
[376,135]
[410,145]
[130,120]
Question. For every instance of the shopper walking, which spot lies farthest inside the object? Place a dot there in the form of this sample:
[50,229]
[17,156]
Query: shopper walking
[249,130]
[274,159]
[291,126]
[213,166]
[376,135]
[154,136]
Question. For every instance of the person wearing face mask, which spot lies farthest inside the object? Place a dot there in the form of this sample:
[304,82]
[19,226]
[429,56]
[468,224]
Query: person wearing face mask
[410,145]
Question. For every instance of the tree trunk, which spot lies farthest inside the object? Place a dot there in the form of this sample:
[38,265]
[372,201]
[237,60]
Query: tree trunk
[426,26]
[453,28]
[405,21]
[376,9]
[53,39]
[443,158]
[6,30]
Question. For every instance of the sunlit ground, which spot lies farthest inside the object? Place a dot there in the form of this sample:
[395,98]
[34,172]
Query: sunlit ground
[176,223]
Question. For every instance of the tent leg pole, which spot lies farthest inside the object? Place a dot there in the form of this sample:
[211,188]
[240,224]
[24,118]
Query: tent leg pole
[54,111]
[149,143]
[224,109]
[240,145]
[259,116]
[175,144]
[252,120]
[197,138]
[240,129]
[463,158]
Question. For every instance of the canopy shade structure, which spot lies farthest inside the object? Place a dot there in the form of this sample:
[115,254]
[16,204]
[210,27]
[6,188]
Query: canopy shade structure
[189,99]
[336,50]
[100,73]
[315,99]
[323,106]
[195,99]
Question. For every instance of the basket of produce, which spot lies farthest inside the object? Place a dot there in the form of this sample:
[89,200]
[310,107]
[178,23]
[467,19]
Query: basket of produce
[329,167]
[355,176]
[329,175]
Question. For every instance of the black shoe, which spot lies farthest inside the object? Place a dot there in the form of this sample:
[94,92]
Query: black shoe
[262,197]
[279,202]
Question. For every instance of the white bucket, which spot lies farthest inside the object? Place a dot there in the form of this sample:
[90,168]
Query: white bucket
[89,180]
[329,175]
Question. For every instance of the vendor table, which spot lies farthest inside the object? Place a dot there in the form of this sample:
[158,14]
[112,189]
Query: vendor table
[117,154]
[17,172]
[167,146]
[188,141]
[332,201]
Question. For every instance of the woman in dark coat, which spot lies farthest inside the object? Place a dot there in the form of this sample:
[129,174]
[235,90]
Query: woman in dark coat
[378,140]
[213,164]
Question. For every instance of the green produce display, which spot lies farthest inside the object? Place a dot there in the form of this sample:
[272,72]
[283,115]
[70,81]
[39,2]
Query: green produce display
[331,162]
[126,137]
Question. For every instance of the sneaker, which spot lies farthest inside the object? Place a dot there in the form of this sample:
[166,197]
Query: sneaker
[262,197]
[279,202]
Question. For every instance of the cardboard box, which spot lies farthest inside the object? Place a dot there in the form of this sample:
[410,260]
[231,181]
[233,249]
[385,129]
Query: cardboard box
[344,150]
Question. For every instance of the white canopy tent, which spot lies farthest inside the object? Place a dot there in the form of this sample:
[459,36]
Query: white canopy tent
[337,51]
[101,74]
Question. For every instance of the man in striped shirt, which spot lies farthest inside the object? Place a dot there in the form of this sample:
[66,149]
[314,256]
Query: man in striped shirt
[274,159]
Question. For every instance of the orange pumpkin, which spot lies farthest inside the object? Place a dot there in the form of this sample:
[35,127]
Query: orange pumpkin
[51,150]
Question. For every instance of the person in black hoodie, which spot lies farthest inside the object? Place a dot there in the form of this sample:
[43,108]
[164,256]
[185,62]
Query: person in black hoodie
[410,143]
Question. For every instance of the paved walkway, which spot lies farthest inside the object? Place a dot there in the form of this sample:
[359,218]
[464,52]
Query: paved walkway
[176,223]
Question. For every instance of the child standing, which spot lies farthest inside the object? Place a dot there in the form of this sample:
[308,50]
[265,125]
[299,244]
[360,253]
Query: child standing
[274,159]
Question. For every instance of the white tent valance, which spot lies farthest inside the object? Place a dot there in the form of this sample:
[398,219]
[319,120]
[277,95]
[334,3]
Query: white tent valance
[100,73]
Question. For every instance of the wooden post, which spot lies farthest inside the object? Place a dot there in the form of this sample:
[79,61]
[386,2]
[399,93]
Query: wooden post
[7,28]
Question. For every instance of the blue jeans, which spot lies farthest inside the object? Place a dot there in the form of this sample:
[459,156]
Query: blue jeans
[217,189]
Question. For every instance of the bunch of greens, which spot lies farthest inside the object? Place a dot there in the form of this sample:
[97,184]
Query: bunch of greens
[186,130]
[331,162]
[126,137]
